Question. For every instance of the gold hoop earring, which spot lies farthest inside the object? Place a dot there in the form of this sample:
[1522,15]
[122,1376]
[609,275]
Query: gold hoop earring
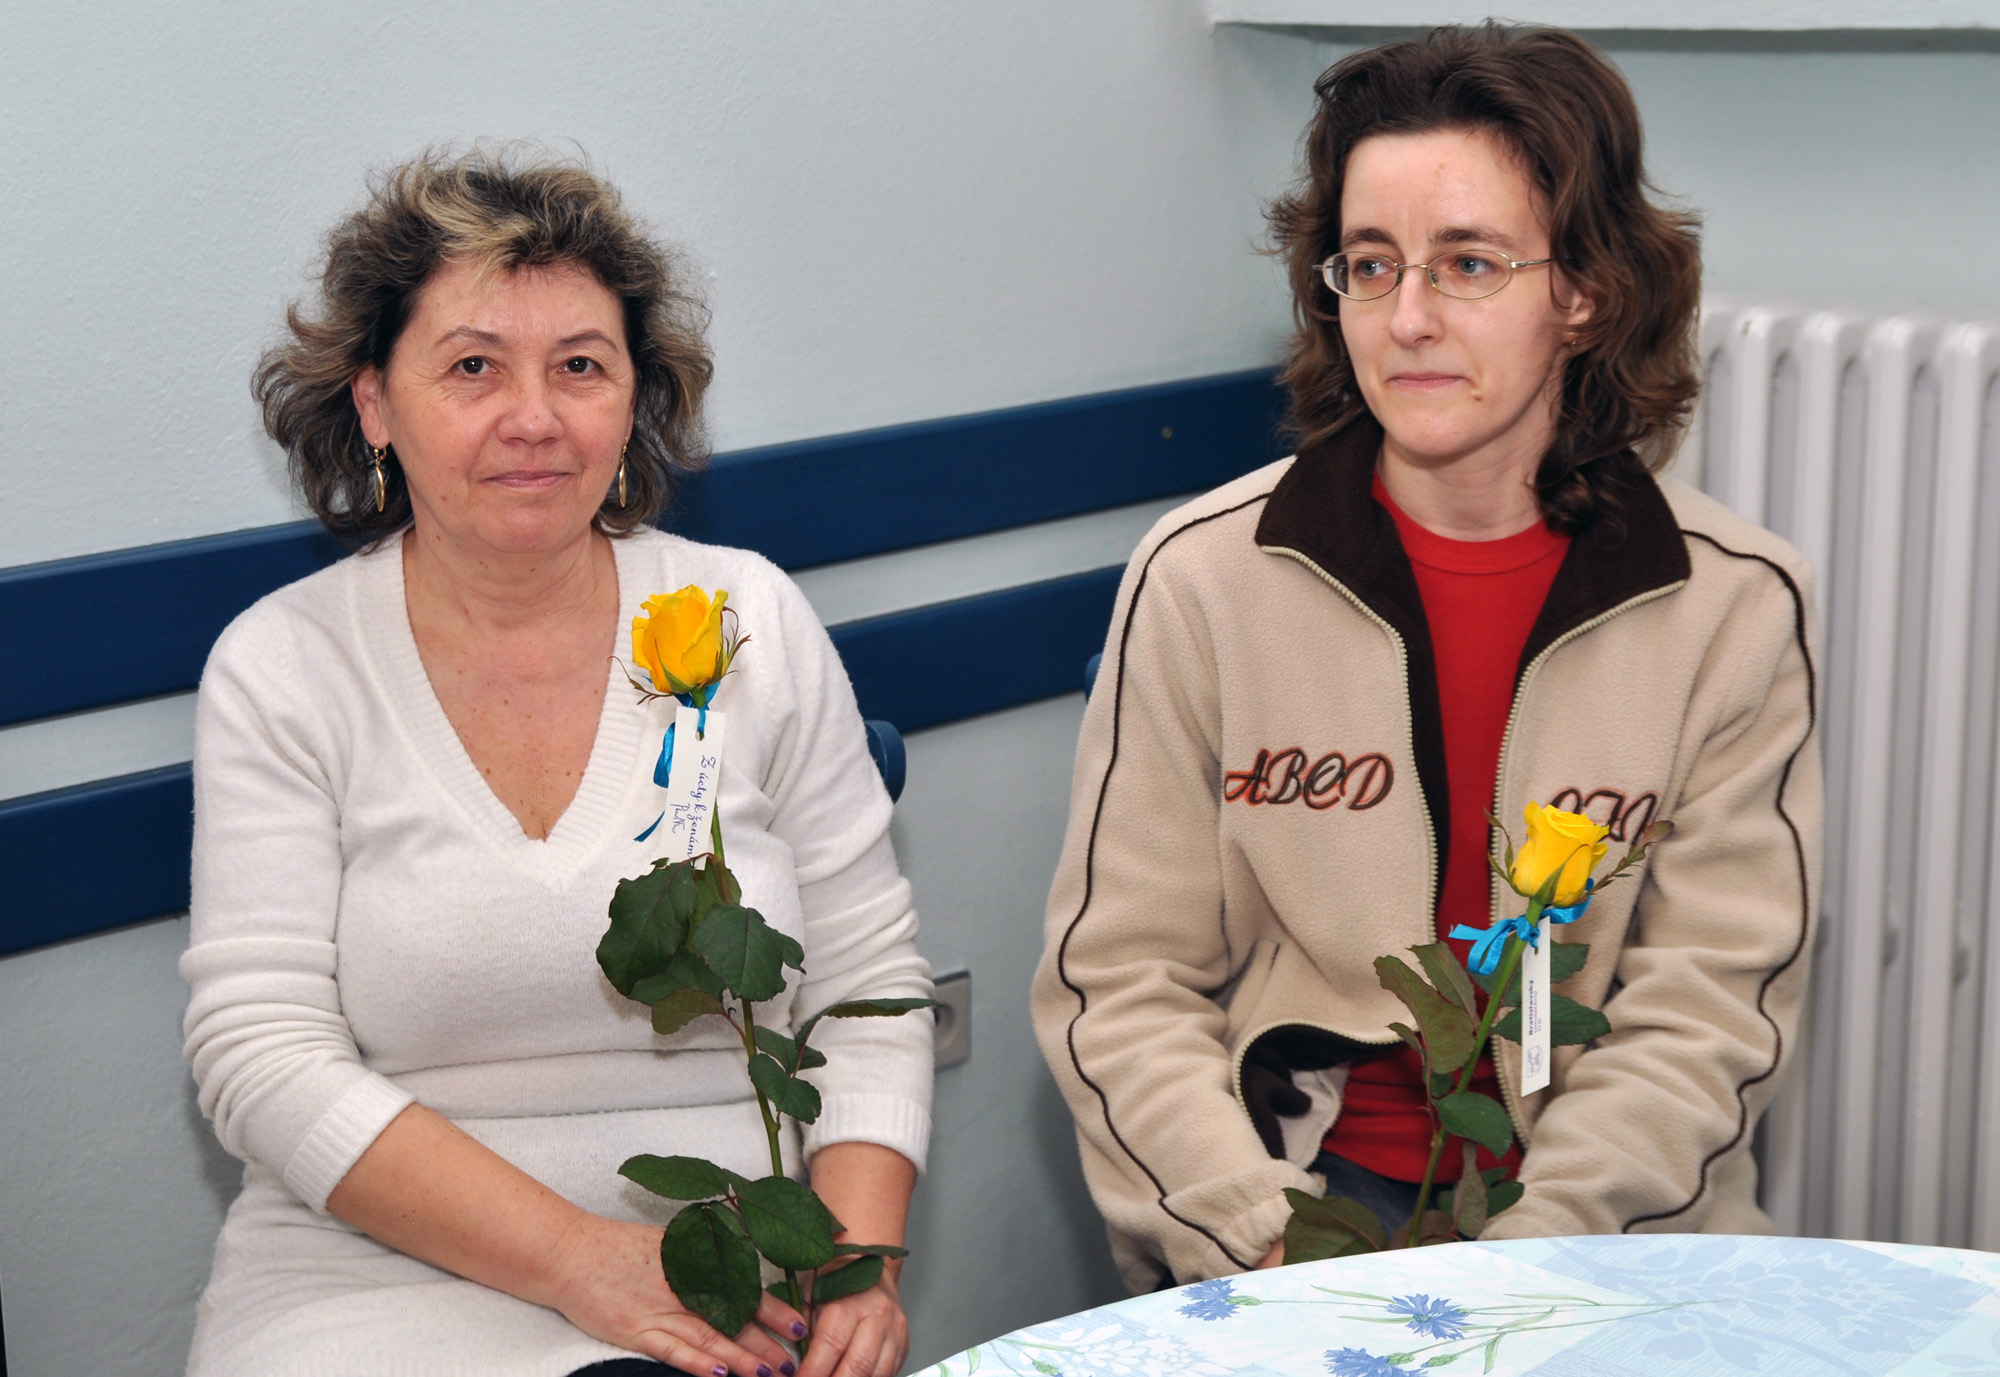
[621,471]
[381,483]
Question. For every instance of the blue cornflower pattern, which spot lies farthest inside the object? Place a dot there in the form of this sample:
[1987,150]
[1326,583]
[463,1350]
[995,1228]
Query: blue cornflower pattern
[1435,1319]
[1356,1362]
[1209,1300]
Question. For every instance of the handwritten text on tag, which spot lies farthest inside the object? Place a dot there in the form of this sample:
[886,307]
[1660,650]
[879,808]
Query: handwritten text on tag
[1535,1013]
[692,786]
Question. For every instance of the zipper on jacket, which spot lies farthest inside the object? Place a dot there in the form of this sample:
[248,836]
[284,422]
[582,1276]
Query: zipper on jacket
[1409,721]
[1508,1094]
[1243,1047]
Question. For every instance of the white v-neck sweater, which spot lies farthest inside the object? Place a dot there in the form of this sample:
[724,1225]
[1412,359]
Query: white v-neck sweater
[371,927]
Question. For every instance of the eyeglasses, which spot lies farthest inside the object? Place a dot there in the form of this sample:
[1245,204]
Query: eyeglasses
[1465,274]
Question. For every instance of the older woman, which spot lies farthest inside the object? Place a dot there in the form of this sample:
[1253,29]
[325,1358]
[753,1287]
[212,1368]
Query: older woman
[1466,592]
[419,776]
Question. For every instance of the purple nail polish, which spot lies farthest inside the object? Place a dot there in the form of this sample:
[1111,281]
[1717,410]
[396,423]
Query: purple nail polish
[719,1371]
[787,1369]
[763,1370]
[798,1329]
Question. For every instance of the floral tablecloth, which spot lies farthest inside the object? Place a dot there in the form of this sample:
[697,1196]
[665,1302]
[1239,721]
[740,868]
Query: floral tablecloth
[1643,1306]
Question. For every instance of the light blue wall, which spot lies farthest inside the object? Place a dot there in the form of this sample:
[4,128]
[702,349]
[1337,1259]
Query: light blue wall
[907,210]
[1834,175]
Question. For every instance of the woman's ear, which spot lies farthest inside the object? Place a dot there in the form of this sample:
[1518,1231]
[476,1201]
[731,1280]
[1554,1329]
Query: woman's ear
[1574,302]
[367,392]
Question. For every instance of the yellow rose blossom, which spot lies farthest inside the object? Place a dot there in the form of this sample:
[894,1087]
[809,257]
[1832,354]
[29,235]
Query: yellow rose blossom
[1569,842]
[678,639]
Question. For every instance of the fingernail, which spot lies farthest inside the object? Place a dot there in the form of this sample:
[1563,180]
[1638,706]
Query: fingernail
[763,1370]
[798,1329]
[787,1369]
[719,1371]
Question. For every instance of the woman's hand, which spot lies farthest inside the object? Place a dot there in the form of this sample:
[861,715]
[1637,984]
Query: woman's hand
[863,1335]
[427,1188]
[1274,1258]
[606,1280]
[867,1187]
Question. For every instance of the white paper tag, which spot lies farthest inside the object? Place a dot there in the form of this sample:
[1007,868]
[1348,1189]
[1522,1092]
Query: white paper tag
[692,783]
[1535,1014]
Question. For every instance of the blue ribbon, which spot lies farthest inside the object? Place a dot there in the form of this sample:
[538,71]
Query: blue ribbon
[1488,943]
[663,767]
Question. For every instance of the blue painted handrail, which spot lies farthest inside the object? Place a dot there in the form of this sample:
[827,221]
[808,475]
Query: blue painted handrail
[800,504]
[885,748]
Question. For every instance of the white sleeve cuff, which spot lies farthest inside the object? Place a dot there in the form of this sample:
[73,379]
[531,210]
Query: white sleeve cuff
[887,1120]
[334,1144]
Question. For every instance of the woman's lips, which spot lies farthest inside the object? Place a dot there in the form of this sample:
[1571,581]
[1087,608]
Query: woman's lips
[1423,382]
[529,480]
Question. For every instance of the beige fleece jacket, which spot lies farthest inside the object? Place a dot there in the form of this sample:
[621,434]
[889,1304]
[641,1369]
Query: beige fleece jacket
[1258,798]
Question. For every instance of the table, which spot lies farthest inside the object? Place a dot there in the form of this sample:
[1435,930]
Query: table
[1640,1306]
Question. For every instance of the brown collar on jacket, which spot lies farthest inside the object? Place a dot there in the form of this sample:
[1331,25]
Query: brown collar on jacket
[1323,510]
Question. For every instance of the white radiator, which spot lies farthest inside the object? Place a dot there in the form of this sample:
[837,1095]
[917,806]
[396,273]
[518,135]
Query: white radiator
[1872,443]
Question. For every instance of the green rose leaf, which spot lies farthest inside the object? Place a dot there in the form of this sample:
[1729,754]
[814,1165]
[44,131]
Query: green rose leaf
[1469,1114]
[648,923]
[681,1008]
[1408,1035]
[877,1008]
[1468,1205]
[870,1250]
[779,1048]
[711,1264]
[1440,1084]
[684,971]
[749,954]
[786,1094]
[1438,1228]
[788,1223]
[1447,975]
[678,1178]
[1333,1227]
[713,885]
[1565,960]
[1435,1227]
[1491,981]
[866,1008]
[850,1280]
[1572,1024]
[1502,1194]
[788,1053]
[1447,1029]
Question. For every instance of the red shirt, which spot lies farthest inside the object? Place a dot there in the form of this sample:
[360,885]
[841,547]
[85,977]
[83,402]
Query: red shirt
[1481,598]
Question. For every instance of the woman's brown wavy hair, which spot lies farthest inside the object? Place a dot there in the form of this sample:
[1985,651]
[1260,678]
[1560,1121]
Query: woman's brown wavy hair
[501,208]
[1567,114]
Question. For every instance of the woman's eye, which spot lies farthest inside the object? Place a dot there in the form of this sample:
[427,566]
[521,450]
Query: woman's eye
[1365,268]
[473,367]
[1472,265]
[579,366]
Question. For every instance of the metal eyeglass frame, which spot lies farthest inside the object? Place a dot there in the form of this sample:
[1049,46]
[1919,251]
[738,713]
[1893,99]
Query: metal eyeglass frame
[1430,272]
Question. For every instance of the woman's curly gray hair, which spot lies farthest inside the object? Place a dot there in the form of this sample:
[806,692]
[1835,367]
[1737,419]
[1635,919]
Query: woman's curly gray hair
[499,208]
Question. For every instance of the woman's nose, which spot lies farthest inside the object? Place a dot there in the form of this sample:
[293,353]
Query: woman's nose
[1415,317]
[530,415]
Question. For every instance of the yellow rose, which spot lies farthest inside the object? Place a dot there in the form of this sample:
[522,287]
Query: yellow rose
[1569,842]
[678,639]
